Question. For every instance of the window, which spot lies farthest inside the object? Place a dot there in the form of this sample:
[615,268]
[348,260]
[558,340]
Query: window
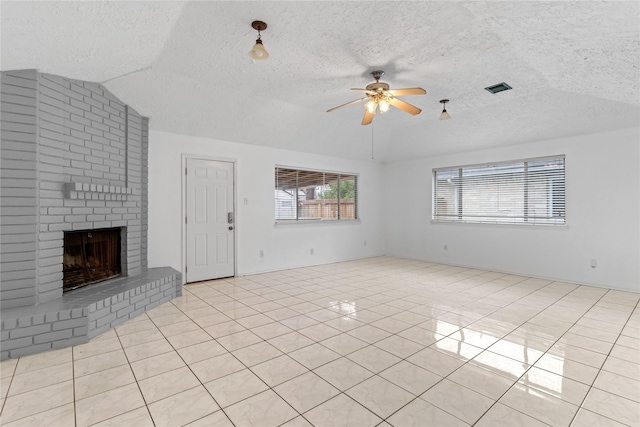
[518,192]
[302,195]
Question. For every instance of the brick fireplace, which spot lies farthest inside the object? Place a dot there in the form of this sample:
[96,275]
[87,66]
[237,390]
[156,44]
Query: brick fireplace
[74,159]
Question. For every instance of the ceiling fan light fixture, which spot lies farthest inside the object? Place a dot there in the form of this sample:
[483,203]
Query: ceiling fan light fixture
[258,52]
[379,97]
[371,106]
[444,115]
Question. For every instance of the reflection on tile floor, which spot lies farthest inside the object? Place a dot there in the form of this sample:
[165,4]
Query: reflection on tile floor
[381,341]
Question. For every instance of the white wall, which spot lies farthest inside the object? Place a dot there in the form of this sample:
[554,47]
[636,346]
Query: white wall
[284,246]
[603,172]
[603,215]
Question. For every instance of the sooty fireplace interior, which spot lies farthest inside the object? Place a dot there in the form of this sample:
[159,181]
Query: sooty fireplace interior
[91,256]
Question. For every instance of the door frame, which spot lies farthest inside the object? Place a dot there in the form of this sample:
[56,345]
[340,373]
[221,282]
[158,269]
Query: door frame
[183,210]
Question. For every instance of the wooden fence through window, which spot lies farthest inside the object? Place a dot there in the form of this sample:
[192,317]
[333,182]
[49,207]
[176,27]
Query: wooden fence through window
[326,209]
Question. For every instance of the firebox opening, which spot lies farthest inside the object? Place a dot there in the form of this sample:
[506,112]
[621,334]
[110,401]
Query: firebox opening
[91,256]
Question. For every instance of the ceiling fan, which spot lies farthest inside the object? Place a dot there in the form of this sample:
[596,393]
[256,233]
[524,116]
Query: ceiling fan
[380,98]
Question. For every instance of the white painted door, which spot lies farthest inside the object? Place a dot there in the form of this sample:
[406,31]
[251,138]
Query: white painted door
[210,221]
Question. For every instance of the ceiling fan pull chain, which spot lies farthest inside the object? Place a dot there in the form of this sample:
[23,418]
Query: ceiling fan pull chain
[372,141]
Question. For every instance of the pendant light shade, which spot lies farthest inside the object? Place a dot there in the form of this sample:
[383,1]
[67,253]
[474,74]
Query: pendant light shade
[444,115]
[259,53]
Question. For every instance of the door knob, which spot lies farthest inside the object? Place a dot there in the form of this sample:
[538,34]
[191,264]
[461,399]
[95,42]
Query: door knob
[230,228]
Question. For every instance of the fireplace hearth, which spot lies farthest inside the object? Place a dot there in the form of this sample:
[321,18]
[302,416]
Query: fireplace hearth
[91,256]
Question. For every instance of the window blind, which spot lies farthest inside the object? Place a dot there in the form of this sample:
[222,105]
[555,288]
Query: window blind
[303,195]
[528,191]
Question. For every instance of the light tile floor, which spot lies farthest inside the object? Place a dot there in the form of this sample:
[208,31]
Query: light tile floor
[381,341]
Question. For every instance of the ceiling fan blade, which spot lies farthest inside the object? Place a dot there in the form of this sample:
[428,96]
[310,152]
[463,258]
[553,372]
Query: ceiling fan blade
[404,106]
[348,103]
[368,117]
[408,91]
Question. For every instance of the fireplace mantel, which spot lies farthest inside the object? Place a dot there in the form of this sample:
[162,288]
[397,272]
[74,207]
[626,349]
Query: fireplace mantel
[87,191]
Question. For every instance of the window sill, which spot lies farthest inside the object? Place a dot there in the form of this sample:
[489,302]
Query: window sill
[316,222]
[508,224]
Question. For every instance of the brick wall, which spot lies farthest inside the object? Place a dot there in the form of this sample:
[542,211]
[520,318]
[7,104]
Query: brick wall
[58,134]
[18,188]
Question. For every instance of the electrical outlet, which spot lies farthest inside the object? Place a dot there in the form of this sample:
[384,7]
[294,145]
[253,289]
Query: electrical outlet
[365,243]
[446,248]
[311,251]
[594,263]
[246,200]
[261,253]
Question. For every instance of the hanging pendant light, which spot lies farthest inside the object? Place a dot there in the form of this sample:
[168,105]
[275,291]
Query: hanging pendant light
[259,53]
[444,115]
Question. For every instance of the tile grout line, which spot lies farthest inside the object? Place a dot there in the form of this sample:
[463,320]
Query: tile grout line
[73,379]
[557,299]
[35,389]
[136,380]
[395,334]
[467,362]
[308,370]
[286,354]
[6,396]
[605,360]
[401,359]
[487,349]
[246,366]
[546,351]
[531,366]
[189,366]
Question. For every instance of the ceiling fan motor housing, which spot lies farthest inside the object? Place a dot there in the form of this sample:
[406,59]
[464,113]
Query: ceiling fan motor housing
[378,86]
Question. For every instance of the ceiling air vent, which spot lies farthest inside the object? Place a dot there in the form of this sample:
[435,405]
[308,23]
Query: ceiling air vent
[498,88]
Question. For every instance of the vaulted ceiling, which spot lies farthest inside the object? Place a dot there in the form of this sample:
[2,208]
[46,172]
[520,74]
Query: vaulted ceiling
[574,68]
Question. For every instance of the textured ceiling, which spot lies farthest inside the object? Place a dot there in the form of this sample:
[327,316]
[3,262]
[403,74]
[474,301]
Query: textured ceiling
[574,68]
